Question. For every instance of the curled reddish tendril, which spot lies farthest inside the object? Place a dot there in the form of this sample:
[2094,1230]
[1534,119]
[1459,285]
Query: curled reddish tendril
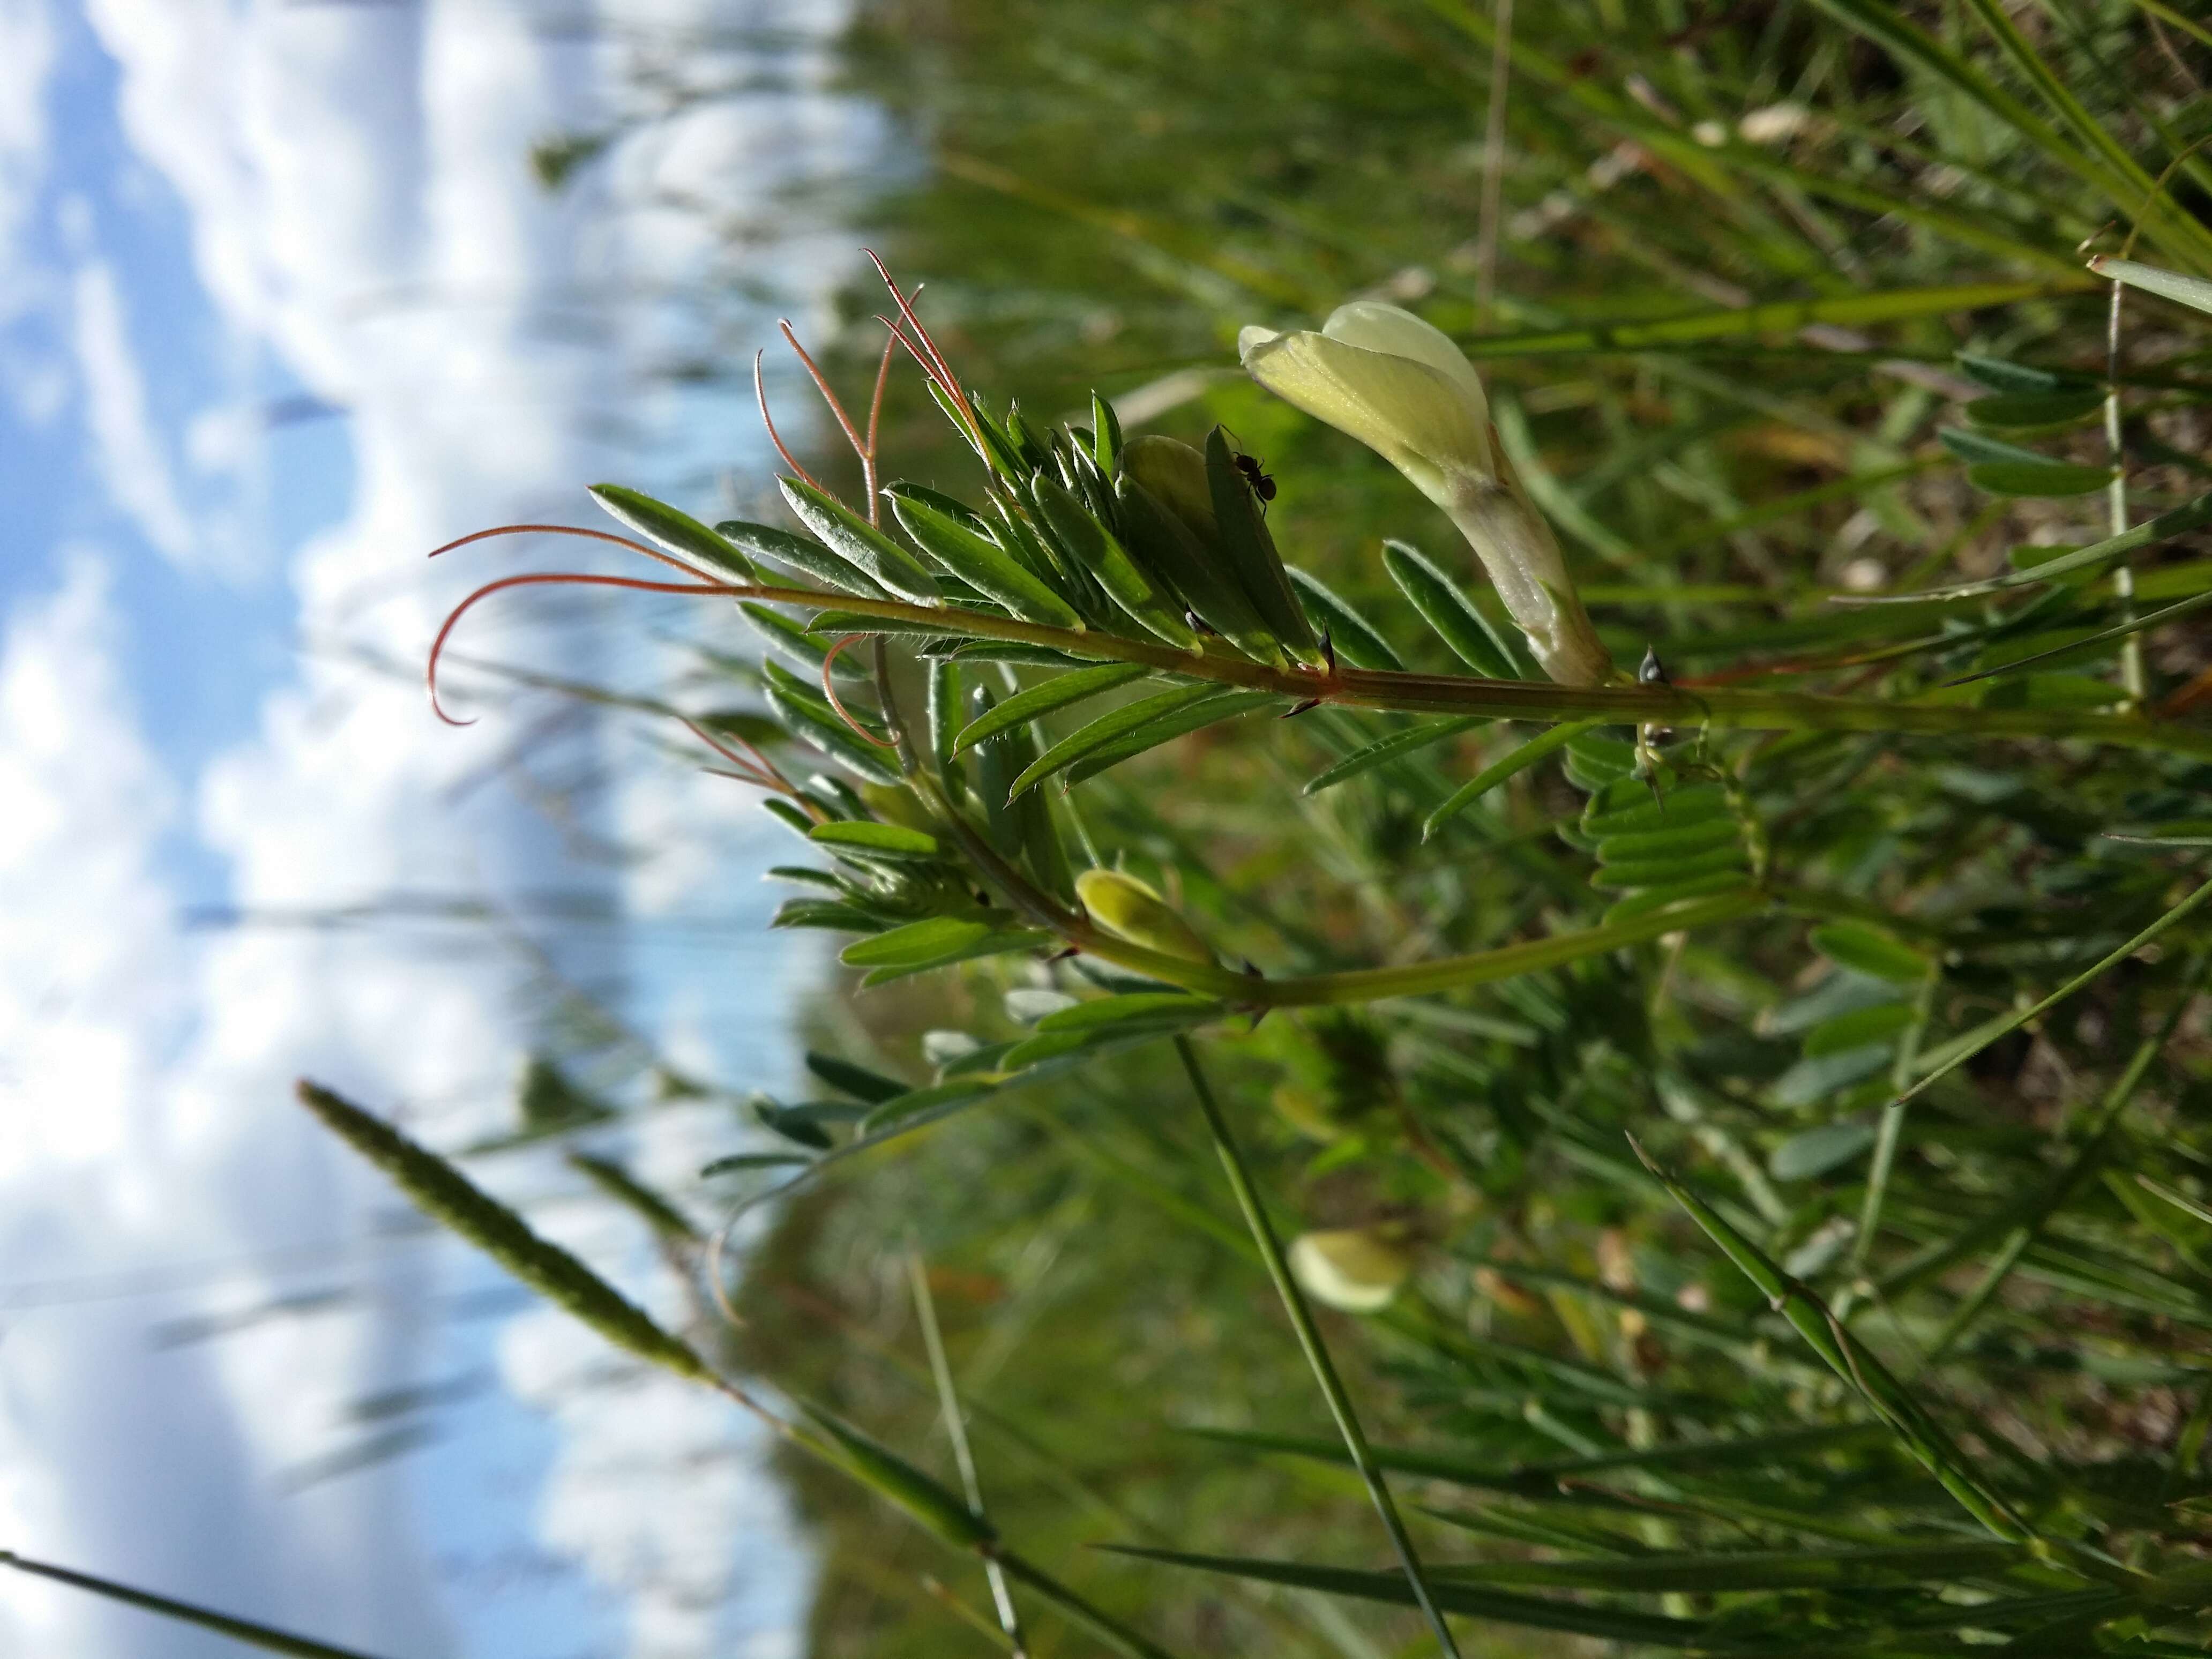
[550,577]
[830,690]
[760,390]
[668,559]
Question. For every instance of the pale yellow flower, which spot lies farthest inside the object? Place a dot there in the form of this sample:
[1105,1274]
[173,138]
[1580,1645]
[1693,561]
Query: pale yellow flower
[1400,385]
[1355,1269]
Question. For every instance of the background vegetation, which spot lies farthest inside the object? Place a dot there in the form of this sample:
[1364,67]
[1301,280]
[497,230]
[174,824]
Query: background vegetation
[1112,195]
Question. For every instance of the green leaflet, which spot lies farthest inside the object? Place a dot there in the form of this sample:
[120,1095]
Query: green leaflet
[2192,291]
[1626,807]
[915,1103]
[808,715]
[938,942]
[2037,478]
[1093,546]
[1351,635]
[678,531]
[1816,1151]
[2026,411]
[1395,746]
[1445,608]
[853,1079]
[1057,692]
[982,563]
[2010,379]
[1658,899]
[739,1161]
[791,638]
[1138,726]
[1106,436]
[809,559]
[894,842]
[1229,704]
[1251,550]
[1165,546]
[1497,771]
[1620,875]
[1142,1006]
[1873,954]
[859,543]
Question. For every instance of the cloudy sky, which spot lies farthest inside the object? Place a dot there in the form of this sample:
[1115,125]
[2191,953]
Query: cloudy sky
[282,305]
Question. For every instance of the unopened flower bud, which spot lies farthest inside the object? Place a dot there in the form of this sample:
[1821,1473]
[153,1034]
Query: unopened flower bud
[1128,910]
[1175,474]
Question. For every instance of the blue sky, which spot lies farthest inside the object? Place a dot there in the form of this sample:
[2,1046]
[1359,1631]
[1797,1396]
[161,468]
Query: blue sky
[281,307]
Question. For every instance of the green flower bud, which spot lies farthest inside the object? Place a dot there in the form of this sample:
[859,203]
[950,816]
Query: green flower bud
[1402,388]
[1175,475]
[1128,910]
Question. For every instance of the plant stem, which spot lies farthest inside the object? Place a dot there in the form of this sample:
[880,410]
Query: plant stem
[1748,708]
[2132,676]
[1892,1128]
[1309,1339]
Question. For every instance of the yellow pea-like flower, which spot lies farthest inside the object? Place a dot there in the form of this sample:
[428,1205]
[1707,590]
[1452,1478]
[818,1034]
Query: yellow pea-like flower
[1397,383]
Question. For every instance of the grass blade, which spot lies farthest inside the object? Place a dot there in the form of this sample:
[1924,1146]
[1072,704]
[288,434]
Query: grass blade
[1413,1585]
[269,1640]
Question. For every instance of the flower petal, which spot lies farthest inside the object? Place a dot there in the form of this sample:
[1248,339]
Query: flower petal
[1380,327]
[1414,415]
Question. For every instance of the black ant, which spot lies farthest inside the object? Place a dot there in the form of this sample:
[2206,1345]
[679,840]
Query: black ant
[1255,474]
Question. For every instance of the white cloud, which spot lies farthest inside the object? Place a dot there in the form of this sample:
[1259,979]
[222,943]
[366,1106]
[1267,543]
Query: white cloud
[98,1170]
[362,211]
[27,60]
[133,461]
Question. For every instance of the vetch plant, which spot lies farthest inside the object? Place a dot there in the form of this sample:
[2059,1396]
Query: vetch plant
[1141,573]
